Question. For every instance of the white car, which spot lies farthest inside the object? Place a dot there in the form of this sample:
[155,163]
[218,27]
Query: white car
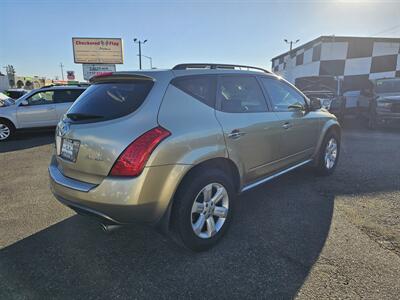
[39,108]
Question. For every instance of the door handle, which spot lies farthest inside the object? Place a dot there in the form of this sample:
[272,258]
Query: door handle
[51,108]
[235,134]
[287,125]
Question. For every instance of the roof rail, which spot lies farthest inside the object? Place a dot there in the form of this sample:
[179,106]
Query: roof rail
[216,66]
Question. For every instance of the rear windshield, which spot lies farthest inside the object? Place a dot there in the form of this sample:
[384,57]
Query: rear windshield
[105,101]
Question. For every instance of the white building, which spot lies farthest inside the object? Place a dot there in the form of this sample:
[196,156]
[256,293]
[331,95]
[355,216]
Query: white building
[354,59]
[4,84]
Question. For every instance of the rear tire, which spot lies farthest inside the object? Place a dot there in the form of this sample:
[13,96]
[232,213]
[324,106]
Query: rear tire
[202,209]
[329,154]
[7,130]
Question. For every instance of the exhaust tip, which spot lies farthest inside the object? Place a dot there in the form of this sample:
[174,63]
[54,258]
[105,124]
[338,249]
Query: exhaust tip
[109,228]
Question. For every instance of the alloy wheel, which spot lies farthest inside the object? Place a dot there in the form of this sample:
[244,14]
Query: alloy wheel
[4,131]
[210,210]
[331,153]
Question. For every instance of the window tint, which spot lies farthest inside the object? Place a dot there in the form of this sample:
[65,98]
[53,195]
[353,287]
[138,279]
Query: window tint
[104,101]
[281,94]
[240,94]
[200,87]
[41,98]
[63,96]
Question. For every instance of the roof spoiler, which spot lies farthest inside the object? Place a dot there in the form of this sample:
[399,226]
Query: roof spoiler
[116,76]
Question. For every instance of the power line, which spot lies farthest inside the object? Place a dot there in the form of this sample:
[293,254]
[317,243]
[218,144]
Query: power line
[387,30]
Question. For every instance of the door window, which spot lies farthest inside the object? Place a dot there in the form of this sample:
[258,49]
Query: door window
[65,96]
[282,95]
[240,94]
[41,98]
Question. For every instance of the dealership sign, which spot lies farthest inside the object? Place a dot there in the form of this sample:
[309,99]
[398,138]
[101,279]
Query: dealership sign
[97,50]
[90,70]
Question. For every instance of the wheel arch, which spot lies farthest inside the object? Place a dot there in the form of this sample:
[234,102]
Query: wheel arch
[331,125]
[9,121]
[223,163]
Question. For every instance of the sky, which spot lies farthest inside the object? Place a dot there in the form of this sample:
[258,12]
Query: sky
[35,35]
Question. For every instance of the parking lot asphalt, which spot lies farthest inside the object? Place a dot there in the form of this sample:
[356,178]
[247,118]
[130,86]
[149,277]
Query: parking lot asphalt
[299,236]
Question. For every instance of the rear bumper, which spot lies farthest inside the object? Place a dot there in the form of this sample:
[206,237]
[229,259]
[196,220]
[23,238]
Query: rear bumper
[120,200]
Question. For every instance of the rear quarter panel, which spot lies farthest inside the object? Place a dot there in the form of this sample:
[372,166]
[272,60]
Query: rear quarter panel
[196,134]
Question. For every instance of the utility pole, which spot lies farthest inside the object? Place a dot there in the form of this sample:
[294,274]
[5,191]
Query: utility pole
[291,43]
[137,41]
[62,71]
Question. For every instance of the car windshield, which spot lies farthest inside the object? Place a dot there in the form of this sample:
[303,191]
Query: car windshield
[5,100]
[316,83]
[388,86]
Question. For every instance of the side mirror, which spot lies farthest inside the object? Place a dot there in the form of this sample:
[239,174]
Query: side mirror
[315,104]
[24,102]
[296,106]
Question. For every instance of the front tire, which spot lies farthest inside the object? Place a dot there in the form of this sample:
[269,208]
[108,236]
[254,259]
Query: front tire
[6,130]
[203,209]
[329,154]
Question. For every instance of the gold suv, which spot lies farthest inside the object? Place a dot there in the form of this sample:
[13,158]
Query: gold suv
[175,147]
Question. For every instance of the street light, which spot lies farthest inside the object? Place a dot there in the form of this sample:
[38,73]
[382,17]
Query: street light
[150,59]
[291,43]
[137,41]
[62,70]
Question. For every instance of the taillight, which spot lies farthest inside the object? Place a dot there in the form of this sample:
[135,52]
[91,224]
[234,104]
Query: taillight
[132,161]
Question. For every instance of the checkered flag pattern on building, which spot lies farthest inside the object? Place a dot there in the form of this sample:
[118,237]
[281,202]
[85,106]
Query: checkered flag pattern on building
[354,59]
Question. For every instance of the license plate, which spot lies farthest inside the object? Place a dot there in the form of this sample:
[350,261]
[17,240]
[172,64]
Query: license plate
[69,149]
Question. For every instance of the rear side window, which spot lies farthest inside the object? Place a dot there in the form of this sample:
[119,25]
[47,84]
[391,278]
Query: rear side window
[105,101]
[200,87]
[240,94]
[64,96]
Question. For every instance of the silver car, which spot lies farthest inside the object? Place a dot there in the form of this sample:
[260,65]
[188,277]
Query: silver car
[39,108]
[175,147]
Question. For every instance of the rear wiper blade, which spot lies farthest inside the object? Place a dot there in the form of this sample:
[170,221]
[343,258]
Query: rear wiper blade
[78,116]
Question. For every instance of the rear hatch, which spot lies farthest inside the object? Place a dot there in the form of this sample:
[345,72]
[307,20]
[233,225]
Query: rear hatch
[114,111]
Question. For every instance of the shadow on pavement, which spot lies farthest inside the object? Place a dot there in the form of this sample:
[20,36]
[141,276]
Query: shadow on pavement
[277,235]
[27,139]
